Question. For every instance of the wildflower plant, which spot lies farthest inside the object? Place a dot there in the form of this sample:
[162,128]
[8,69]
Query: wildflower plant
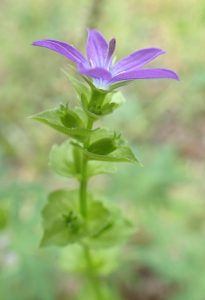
[78,216]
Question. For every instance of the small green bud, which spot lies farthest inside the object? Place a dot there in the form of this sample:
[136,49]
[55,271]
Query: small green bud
[72,222]
[103,146]
[68,117]
[108,108]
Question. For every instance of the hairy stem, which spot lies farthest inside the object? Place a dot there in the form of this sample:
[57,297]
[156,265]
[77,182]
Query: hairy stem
[93,277]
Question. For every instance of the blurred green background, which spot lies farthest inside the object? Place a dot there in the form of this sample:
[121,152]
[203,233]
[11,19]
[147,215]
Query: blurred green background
[164,120]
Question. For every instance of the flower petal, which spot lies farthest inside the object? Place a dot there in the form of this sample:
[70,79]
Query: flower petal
[145,74]
[98,73]
[62,48]
[136,60]
[111,49]
[97,48]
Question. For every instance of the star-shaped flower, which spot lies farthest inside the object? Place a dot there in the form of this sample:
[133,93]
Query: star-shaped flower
[99,64]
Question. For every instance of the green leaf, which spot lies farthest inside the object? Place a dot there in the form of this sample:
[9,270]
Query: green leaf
[108,108]
[80,86]
[115,99]
[100,133]
[53,118]
[66,161]
[103,146]
[100,167]
[114,232]
[63,224]
[61,160]
[62,221]
[69,118]
[98,217]
[101,103]
[108,146]
[85,104]
[122,154]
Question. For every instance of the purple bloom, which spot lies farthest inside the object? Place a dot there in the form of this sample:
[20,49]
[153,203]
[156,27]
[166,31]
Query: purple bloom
[99,65]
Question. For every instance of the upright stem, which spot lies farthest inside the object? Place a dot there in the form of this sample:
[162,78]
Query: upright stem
[83,189]
[84,180]
[94,280]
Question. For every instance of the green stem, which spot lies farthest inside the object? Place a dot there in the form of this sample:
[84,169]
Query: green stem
[83,189]
[84,180]
[94,280]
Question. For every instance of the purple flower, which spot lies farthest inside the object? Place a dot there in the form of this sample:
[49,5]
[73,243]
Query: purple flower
[99,65]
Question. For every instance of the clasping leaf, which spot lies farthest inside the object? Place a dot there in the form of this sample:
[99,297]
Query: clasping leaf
[66,161]
[64,225]
[61,160]
[65,121]
[108,146]
[62,221]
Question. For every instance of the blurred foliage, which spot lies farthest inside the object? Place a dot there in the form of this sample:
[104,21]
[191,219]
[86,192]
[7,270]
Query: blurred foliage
[165,198]
[25,271]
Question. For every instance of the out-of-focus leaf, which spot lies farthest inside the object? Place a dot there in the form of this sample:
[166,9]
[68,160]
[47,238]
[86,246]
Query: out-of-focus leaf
[107,293]
[100,167]
[104,260]
[61,160]
[66,161]
[62,221]
[116,98]
[4,215]
[115,232]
